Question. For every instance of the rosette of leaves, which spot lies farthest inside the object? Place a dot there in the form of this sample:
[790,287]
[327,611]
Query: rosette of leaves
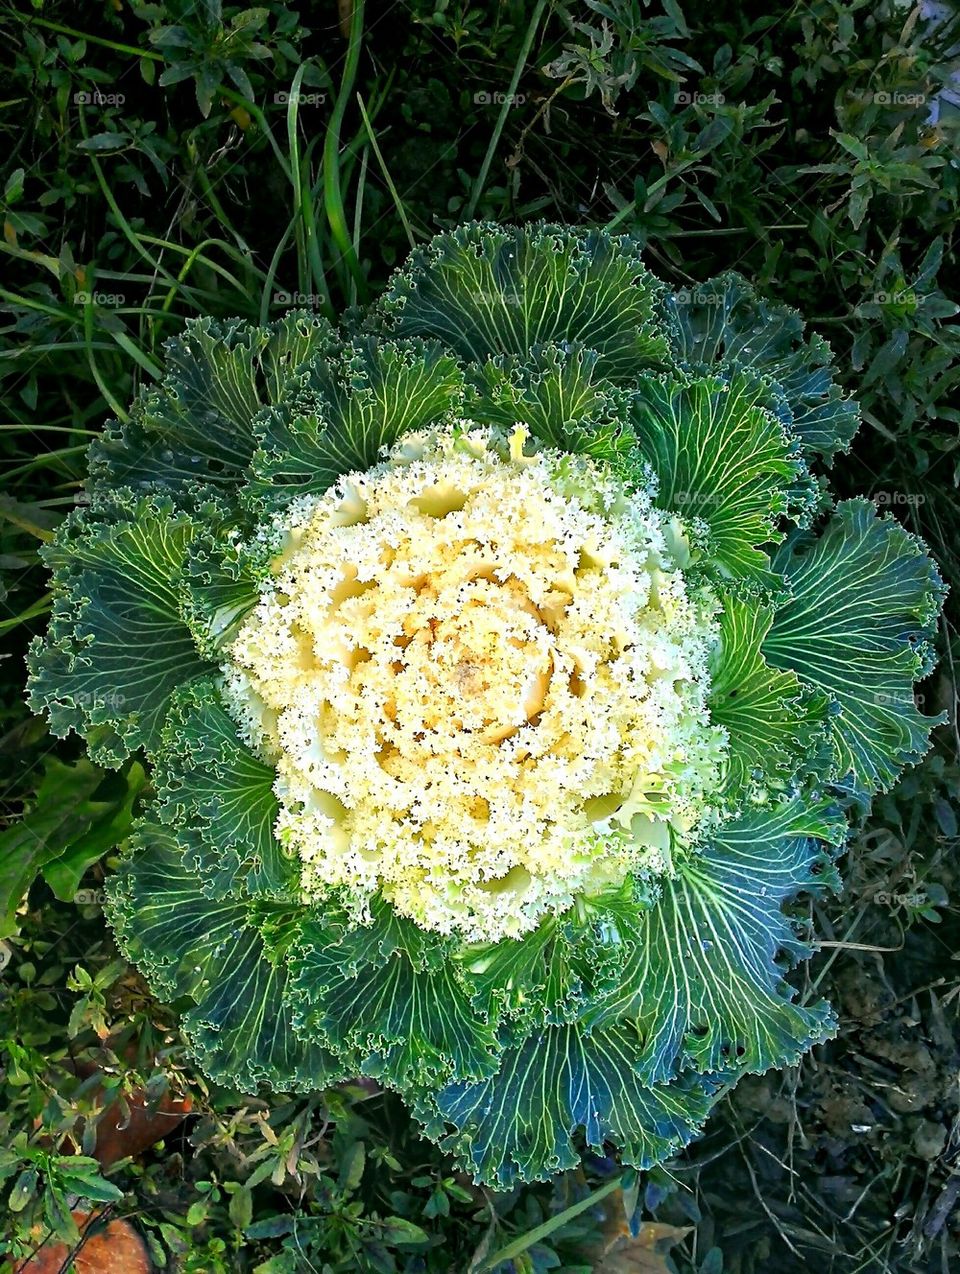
[614,1020]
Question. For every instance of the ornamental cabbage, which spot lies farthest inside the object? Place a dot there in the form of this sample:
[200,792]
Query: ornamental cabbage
[506,671]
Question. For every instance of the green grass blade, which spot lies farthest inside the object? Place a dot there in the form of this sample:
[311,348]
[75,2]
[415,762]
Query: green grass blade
[524,53]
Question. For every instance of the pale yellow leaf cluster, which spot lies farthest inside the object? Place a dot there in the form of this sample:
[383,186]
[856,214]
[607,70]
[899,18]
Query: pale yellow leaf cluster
[482,681]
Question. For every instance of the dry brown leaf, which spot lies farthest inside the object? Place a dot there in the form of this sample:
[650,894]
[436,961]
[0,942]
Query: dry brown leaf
[643,1254]
[619,1252]
[117,1249]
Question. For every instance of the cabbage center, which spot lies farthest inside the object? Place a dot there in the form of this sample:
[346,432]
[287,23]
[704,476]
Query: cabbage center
[481,678]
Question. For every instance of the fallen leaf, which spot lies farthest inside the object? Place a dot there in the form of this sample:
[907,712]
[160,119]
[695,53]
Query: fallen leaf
[623,1253]
[644,1254]
[116,1249]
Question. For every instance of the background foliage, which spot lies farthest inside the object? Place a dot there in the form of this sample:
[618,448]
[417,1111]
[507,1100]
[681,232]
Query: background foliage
[164,160]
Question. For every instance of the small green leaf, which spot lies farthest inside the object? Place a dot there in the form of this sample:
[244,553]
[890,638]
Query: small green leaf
[352,1164]
[104,141]
[13,188]
[23,1190]
[403,1233]
[80,1175]
[197,1213]
[241,1208]
[271,1227]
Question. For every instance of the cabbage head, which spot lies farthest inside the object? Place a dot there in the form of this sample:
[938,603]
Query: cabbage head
[506,671]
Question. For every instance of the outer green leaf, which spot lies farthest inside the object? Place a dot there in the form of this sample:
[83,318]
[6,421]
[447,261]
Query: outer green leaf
[703,985]
[242,1028]
[300,340]
[865,599]
[775,728]
[485,290]
[198,423]
[226,954]
[161,914]
[720,455]
[347,411]
[559,395]
[389,992]
[519,1125]
[116,646]
[208,779]
[725,321]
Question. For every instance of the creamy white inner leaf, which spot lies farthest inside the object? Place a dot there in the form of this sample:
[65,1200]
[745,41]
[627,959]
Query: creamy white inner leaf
[482,682]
